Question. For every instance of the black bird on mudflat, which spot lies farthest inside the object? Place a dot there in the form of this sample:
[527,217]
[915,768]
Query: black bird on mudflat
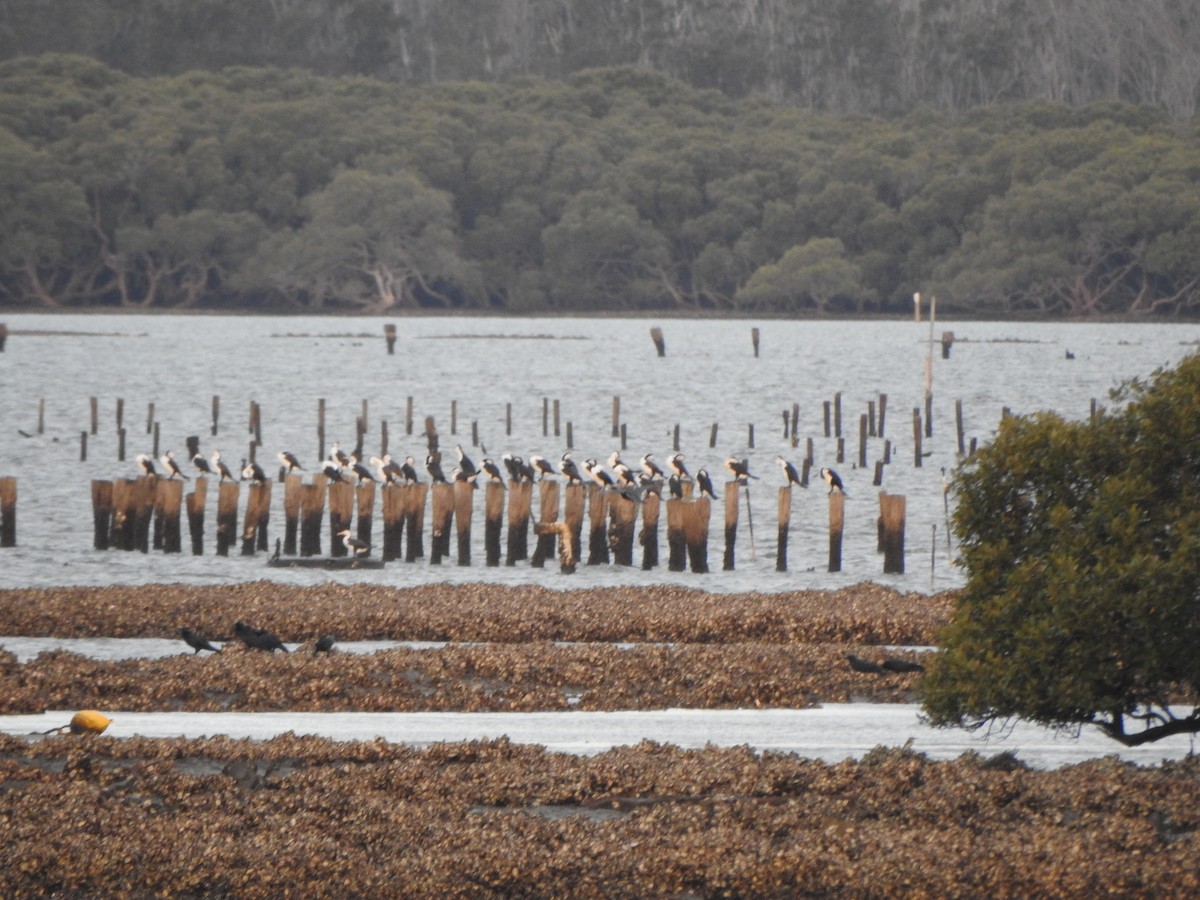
[257,638]
[892,664]
[324,643]
[864,665]
[196,642]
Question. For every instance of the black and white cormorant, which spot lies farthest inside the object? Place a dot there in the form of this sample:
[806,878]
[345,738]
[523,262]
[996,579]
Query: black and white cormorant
[789,472]
[469,469]
[650,467]
[361,472]
[146,463]
[597,474]
[570,470]
[434,467]
[492,471]
[253,472]
[518,470]
[386,475]
[704,484]
[289,461]
[408,471]
[338,455]
[172,467]
[356,546]
[622,474]
[675,487]
[220,468]
[739,469]
[541,466]
[331,470]
[677,466]
[458,475]
[202,465]
[649,484]
[833,480]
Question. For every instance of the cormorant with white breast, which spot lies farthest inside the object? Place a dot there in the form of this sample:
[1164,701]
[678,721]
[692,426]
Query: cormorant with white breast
[146,462]
[336,454]
[597,474]
[675,487]
[518,470]
[789,472]
[650,467]
[408,471]
[332,471]
[469,469]
[172,467]
[492,471]
[361,472]
[356,546]
[220,468]
[677,466]
[434,467]
[739,468]
[622,474]
[289,461]
[833,480]
[381,463]
[570,470]
[202,465]
[253,472]
[704,484]
[541,466]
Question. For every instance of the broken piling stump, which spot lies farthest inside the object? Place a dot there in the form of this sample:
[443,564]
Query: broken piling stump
[195,502]
[443,516]
[520,498]
[648,536]
[464,495]
[696,516]
[102,512]
[784,506]
[547,515]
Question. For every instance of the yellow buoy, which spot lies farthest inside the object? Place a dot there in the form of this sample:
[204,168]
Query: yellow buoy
[88,721]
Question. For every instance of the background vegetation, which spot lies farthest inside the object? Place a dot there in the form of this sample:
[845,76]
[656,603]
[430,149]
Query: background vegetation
[616,188]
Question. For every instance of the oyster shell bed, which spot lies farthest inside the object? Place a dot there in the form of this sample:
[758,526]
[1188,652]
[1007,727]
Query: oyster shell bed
[99,816]
[688,648]
[301,816]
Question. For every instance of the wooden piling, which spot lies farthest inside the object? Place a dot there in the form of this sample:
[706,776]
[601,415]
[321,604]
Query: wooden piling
[154,451]
[168,503]
[795,423]
[195,501]
[443,516]
[545,417]
[392,500]
[616,416]
[837,518]
[917,437]
[431,437]
[623,436]
[648,536]
[882,413]
[145,490]
[862,441]
[656,335]
[8,512]
[805,468]
[364,511]
[826,411]
[493,522]
[712,436]
[958,427]
[841,449]
[320,428]
[454,417]
[754,341]
[293,494]
[508,419]
[675,438]
[474,432]
[696,516]
[312,512]
[621,527]
[597,532]
[573,498]
[556,415]
[892,514]
[929,414]
[102,512]
[120,445]
[124,512]
[784,509]
[878,479]
[227,511]
[947,343]
[570,436]
[83,446]
[341,508]
[871,432]
[408,415]
[120,413]
[464,494]
[389,335]
[216,413]
[42,416]
[258,496]
[732,496]
[520,499]
[750,436]
[383,437]
[414,521]
[547,515]
[837,414]
[676,542]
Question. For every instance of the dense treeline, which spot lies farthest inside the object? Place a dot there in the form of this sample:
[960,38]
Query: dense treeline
[877,57]
[615,189]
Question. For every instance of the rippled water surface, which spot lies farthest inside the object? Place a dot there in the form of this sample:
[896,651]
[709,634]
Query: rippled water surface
[709,375]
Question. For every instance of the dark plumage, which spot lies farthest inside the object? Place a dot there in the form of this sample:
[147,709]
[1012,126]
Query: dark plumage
[257,638]
[864,665]
[324,643]
[833,480]
[704,484]
[892,664]
[739,469]
[196,642]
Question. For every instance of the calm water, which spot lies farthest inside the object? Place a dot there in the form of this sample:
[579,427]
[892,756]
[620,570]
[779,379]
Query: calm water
[709,375]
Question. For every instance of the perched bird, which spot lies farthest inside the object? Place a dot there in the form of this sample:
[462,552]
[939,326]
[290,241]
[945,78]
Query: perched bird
[789,472]
[457,475]
[146,462]
[492,471]
[570,470]
[219,468]
[361,472]
[202,465]
[324,644]
[541,466]
[622,474]
[649,484]
[892,664]
[253,472]
[469,469]
[434,467]
[338,455]
[196,642]
[597,474]
[675,487]
[172,467]
[739,468]
[356,546]
[864,665]
[650,467]
[704,484]
[833,480]
[387,470]
[677,466]
[257,638]
[331,470]
[518,470]
[289,461]
[408,471]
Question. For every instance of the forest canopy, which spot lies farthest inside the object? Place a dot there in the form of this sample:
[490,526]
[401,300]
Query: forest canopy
[612,189]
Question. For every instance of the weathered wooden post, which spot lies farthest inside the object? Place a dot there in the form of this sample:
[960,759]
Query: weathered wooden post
[8,512]
[120,413]
[732,496]
[392,497]
[443,516]
[696,516]
[862,441]
[227,510]
[493,517]
[871,418]
[341,508]
[712,435]
[520,498]
[195,512]
[155,443]
[431,437]
[837,414]
[917,437]
[389,335]
[42,416]
[293,486]
[878,479]
[312,512]
[216,413]
[102,512]
[616,416]
[170,501]
[408,415]
[675,438]
[754,340]
[958,426]
[622,525]
[784,506]
[364,511]
[414,521]
[144,491]
[454,417]
[573,517]
[256,494]
[556,420]
[94,405]
[597,534]
[545,417]
[124,514]
[676,542]
[892,513]
[121,445]
[656,335]
[648,537]
[826,412]
[795,423]
[882,412]
[3,335]
[947,343]
[508,419]
[837,518]
[547,515]
[464,494]
[83,446]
